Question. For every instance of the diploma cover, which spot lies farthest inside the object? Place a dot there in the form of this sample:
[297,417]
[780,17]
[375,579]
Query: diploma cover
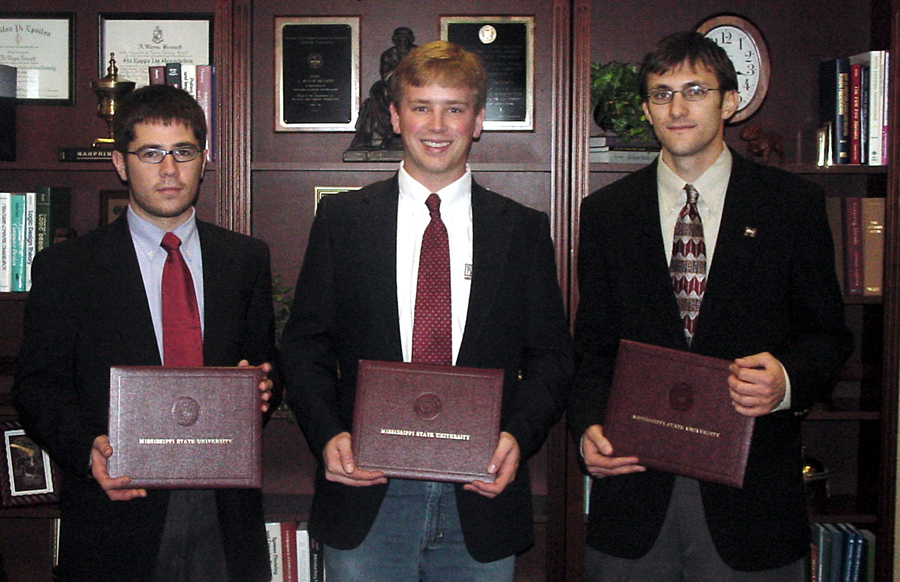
[420,421]
[186,428]
[672,410]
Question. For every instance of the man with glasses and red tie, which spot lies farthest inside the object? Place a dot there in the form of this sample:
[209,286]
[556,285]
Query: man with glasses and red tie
[156,287]
[706,252]
[427,266]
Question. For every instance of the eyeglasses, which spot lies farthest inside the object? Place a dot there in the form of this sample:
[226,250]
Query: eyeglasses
[690,93]
[181,154]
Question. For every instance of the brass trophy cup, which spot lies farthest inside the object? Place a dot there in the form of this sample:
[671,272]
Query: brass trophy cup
[110,89]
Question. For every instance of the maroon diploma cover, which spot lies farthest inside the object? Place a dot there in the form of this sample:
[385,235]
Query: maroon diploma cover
[186,428]
[672,410]
[418,421]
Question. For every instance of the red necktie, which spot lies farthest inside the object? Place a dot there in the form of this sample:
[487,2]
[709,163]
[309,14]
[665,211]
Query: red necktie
[688,266]
[432,335]
[182,338]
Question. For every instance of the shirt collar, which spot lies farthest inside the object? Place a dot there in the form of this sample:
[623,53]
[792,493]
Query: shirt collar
[711,185]
[453,196]
[148,235]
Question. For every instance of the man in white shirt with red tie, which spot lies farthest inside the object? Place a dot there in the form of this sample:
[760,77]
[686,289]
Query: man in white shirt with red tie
[356,298]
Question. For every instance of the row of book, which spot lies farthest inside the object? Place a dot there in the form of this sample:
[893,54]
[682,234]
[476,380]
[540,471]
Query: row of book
[28,223]
[294,556]
[613,149]
[196,80]
[857,227]
[839,552]
[853,108]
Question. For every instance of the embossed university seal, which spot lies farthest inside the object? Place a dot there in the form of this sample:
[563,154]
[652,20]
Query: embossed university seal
[427,406]
[186,411]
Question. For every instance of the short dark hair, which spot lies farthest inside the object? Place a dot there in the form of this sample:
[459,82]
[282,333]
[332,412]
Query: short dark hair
[157,104]
[693,49]
[444,63]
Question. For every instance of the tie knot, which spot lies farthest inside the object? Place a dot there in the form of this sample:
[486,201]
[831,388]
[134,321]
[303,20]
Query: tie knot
[692,193]
[433,202]
[170,242]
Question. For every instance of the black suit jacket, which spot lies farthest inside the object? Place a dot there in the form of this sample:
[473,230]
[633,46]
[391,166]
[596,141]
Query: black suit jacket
[771,288]
[87,310]
[345,309]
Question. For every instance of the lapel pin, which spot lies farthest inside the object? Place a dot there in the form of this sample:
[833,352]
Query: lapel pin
[750,231]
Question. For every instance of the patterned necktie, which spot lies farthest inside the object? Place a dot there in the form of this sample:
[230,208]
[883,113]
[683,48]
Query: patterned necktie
[688,266]
[432,337]
[182,338]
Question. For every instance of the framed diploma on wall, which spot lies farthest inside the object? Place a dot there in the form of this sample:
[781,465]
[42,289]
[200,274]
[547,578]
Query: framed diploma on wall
[506,47]
[141,41]
[41,47]
[316,73]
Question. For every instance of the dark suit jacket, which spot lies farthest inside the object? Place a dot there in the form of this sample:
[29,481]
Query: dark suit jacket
[775,291]
[345,309]
[87,310]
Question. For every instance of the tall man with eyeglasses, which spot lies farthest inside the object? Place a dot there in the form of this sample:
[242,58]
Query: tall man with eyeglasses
[769,303]
[95,302]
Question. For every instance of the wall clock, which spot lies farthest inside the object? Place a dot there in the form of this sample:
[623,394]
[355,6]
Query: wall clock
[747,49]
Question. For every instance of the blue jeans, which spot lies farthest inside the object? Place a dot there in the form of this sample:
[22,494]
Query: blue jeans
[415,538]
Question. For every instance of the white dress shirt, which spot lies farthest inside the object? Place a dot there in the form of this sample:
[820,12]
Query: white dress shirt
[412,218]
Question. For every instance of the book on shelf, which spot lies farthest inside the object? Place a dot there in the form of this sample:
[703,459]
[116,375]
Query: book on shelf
[17,241]
[276,562]
[853,102]
[189,78]
[857,106]
[615,156]
[294,555]
[173,74]
[820,553]
[872,246]
[853,252]
[54,211]
[857,226]
[5,242]
[839,552]
[289,551]
[206,98]
[834,105]
[620,142]
[28,221]
[198,81]
[157,74]
[28,232]
[867,562]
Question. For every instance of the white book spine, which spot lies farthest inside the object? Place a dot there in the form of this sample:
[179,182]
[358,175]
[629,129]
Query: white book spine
[30,234]
[5,243]
[303,571]
[876,109]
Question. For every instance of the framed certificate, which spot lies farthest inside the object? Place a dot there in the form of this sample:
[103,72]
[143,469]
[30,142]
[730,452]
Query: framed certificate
[506,47]
[41,47]
[27,475]
[316,73]
[323,191]
[140,41]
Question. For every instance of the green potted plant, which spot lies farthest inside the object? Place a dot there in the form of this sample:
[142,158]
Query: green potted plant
[616,101]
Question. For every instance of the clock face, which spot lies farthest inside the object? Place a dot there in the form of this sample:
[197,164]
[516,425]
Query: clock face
[744,45]
[744,53]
